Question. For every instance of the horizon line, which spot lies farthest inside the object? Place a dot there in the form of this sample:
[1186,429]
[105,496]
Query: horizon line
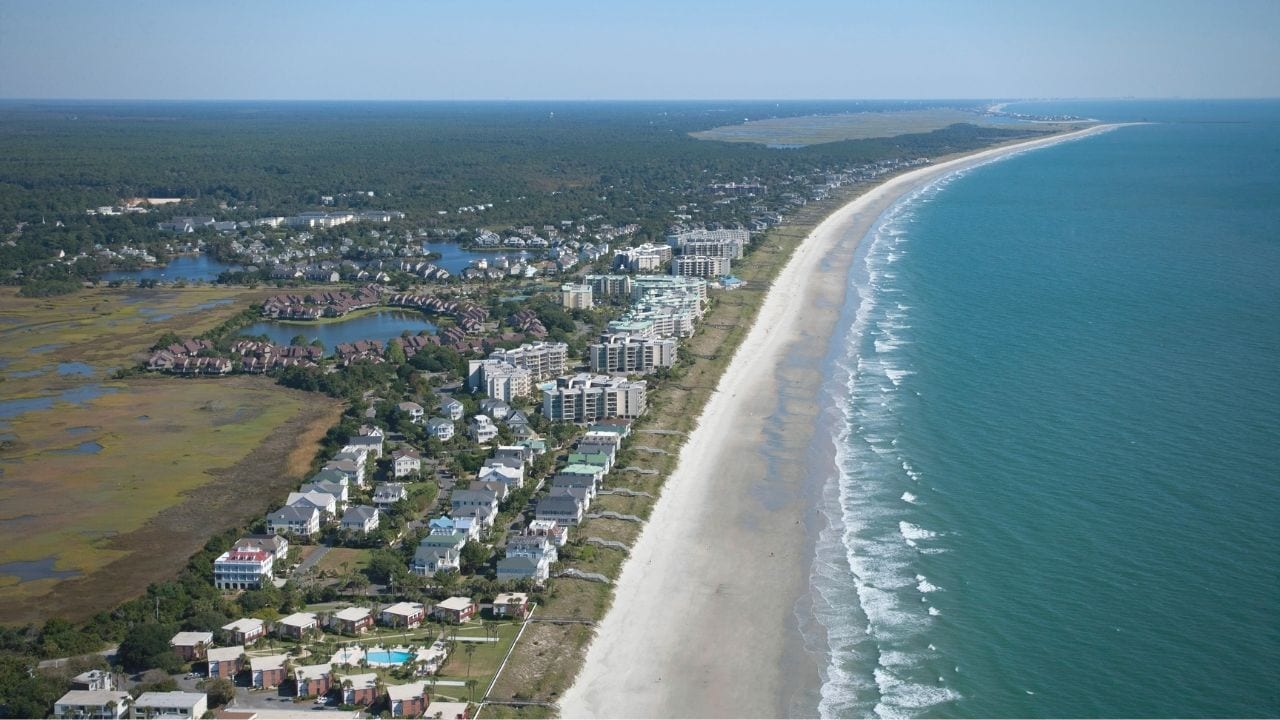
[1123,98]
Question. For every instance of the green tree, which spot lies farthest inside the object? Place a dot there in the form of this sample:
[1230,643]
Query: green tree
[220,691]
[146,646]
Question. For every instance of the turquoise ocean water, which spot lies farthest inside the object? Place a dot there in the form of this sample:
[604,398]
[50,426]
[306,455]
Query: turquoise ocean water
[1057,425]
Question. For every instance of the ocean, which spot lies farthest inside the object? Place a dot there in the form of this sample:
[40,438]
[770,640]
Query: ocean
[1056,412]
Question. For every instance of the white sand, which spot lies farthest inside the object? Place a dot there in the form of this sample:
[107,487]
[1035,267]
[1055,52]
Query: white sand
[704,617]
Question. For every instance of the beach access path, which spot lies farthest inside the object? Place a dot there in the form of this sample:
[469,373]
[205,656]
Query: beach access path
[704,621]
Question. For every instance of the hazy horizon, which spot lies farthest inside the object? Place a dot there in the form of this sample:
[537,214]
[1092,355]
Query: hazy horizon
[572,50]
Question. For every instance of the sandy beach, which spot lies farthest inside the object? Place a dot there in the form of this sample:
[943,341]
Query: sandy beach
[704,621]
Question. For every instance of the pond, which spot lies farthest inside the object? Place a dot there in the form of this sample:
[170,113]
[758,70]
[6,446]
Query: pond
[28,570]
[381,325]
[74,368]
[455,258]
[78,395]
[182,267]
[84,448]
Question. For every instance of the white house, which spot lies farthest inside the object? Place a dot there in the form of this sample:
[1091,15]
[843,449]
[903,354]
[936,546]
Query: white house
[361,519]
[92,704]
[405,461]
[523,568]
[451,408]
[481,429]
[245,631]
[440,428]
[403,614]
[324,502]
[511,477]
[174,704]
[296,625]
[387,494]
[413,410]
[482,504]
[242,569]
[294,521]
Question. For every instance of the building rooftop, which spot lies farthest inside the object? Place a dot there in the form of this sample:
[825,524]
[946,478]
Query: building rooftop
[456,603]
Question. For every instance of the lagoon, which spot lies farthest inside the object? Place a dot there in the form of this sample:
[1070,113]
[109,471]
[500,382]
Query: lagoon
[190,268]
[377,325]
[455,258]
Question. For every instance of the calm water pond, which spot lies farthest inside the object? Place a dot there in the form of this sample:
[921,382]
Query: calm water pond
[381,325]
[182,267]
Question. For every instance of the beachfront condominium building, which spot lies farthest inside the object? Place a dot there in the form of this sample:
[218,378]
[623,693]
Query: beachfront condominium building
[658,321]
[544,360]
[651,287]
[499,379]
[585,398]
[575,297]
[243,569]
[609,285]
[702,266]
[645,258]
[725,243]
[626,353]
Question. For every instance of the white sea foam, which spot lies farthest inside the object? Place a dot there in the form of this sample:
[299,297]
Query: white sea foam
[909,498]
[924,586]
[898,697]
[895,376]
[914,532]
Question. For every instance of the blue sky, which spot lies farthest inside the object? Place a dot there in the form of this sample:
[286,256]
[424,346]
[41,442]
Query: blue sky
[613,49]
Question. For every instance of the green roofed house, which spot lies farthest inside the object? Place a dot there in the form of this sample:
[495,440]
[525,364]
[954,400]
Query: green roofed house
[594,459]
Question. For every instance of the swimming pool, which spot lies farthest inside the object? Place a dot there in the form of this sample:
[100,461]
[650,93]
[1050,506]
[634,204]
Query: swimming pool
[387,657]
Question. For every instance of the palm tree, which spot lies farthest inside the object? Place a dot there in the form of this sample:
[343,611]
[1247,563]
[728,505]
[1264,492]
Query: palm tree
[471,688]
[470,650]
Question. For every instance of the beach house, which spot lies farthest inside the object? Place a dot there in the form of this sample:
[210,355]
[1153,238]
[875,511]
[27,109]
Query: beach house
[511,605]
[245,631]
[405,461]
[172,704]
[224,662]
[242,569]
[564,510]
[191,645]
[387,494]
[297,625]
[361,519]
[92,704]
[298,521]
[456,610]
[481,429]
[267,671]
[440,428]
[359,689]
[403,615]
[407,701]
[313,680]
[352,620]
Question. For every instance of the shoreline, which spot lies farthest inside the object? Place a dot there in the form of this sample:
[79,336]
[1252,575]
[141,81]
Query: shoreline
[707,610]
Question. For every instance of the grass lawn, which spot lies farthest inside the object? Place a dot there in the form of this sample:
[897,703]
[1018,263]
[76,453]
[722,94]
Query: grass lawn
[334,561]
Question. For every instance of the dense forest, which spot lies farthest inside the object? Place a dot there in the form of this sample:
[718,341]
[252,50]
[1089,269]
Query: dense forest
[535,162]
